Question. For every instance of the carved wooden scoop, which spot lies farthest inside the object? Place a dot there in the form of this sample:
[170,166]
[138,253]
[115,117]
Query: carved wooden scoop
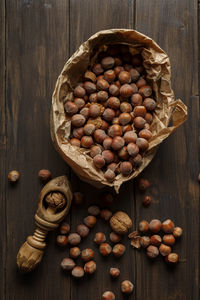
[53,205]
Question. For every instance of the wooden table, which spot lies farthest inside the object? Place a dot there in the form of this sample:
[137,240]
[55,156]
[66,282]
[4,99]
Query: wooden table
[37,37]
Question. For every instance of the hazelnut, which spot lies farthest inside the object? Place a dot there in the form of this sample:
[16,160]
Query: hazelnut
[120,222]
[143,226]
[132,149]
[126,168]
[147,200]
[94,111]
[118,84]
[114,272]
[169,239]
[93,98]
[127,287]
[85,112]
[141,82]
[102,85]
[134,87]
[90,267]
[90,221]
[97,69]
[108,295]
[43,175]
[145,241]
[78,133]
[67,264]
[64,228]
[95,150]
[99,238]
[79,91]
[90,76]
[90,87]
[112,166]
[139,122]
[164,250]
[61,240]
[145,91]
[109,175]
[126,91]
[107,143]
[115,130]
[142,144]
[168,226]
[78,198]
[74,252]
[140,111]
[75,142]
[135,242]
[124,77]
[77,272]
[74,239]
[145,134]
[172,258]
[136,100]
[123,153]
[107,62]
[135,75]
[117,143]
[177,232]
[143,184]
[99,136]
[78,120]
[105,249]
[82,230]
[148,117]
[102,96]
[87,254]
[130,137]
[125,107]
[99,161]
[124,118]
[137,60]
[87,141]
[113,102]
[71,108]
[106,214]
[118,250]
[94,210]
[113,90]
[152,251]
[104,125]
[155,240]
[108,114]
[114,237]
[79,102]
[149,103]
[109,75]
[136,161]
[155,226]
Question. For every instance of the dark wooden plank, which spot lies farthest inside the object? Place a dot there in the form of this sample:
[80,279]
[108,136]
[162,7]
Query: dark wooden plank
[86,18]
[37,47]
[2,150]
[173,172]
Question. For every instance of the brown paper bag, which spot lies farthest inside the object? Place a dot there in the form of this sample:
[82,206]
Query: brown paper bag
[157,65]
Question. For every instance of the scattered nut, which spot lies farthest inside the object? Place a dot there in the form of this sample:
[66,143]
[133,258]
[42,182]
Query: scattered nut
[169,239]
[143,184]
[43,175]
[67,264]
[114,237]
[106,214]
[120,222]
[82,230]
[127,287]
[177,232]
[87,254]
[168,226]
[145,241]
[94,210]
[74,239]
[164,250]
[135,242]
[155,240]
[64,228]
[147,200]
[61,240]
[133,234]
[90,221]
[172,258]
[74,252]
[143,226]
[152,251]
[99,238]
[118,250]
[155,226]
[108,295]
[77,272]
[105,249]
[90,267]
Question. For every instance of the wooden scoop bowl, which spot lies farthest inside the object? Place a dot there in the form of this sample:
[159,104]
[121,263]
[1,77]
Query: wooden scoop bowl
[53,205]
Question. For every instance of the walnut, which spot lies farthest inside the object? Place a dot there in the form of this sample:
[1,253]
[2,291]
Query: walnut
[55,200]
[120,222]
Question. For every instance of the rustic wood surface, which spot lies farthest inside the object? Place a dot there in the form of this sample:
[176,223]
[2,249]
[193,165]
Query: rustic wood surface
[36,39]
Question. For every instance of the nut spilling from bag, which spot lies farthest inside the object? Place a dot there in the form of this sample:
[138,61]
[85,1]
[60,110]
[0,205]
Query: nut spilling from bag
[111,112]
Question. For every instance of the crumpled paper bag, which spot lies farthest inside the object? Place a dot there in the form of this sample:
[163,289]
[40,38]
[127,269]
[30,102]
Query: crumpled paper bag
[157,65]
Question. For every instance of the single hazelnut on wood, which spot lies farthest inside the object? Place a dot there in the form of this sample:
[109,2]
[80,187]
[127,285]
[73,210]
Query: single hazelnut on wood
[168,226]
[126,168]
[78,133]
[90,267]
[108,114]
[118,250]
[113,102]
[132,149]
[105,214]
[172,258]
[82,230]
[102,96]
[90,87]
[43,175]
[124,77]
[124,118]
[75,142]
[99,161]
[177,232]
[102,85]
[109,75]
[141,82]
[165,250]
[90,221]
[145,91]
[130,137]
[126,91]
[142,144]
[87,254]
[94,210]
[97,69]
[108,295]
[117,143]
[140,111]
[77,272]
[125,107]
[120,222]
[115,130]
[79,102]
[105,249]
[155,226]
[71,108]
[145,241]
[135,75]
[61,240]
[143,184]
[67,264]
[114,237]
[152,251]
[145,134]
[95,150]
[78,198]
[149,103]
[78,120]
[99,136]
[94,111]
[14,175]
[169,239]
[136,100]
[147,200]
[114,272]
[87,141]
[79,91]
[74,239]
[64,228]
[74,252]
[85,112]
[127,287]
[143,226]
[93,98]
[155,240]
[114,90]
[99,238]
[107,62]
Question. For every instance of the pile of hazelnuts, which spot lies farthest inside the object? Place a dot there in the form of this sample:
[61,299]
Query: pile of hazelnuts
[112,111]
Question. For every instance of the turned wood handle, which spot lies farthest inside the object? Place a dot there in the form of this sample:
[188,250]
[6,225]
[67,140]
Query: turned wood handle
[31,252]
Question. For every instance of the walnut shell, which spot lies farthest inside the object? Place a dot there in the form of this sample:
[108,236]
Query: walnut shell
[120,222]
